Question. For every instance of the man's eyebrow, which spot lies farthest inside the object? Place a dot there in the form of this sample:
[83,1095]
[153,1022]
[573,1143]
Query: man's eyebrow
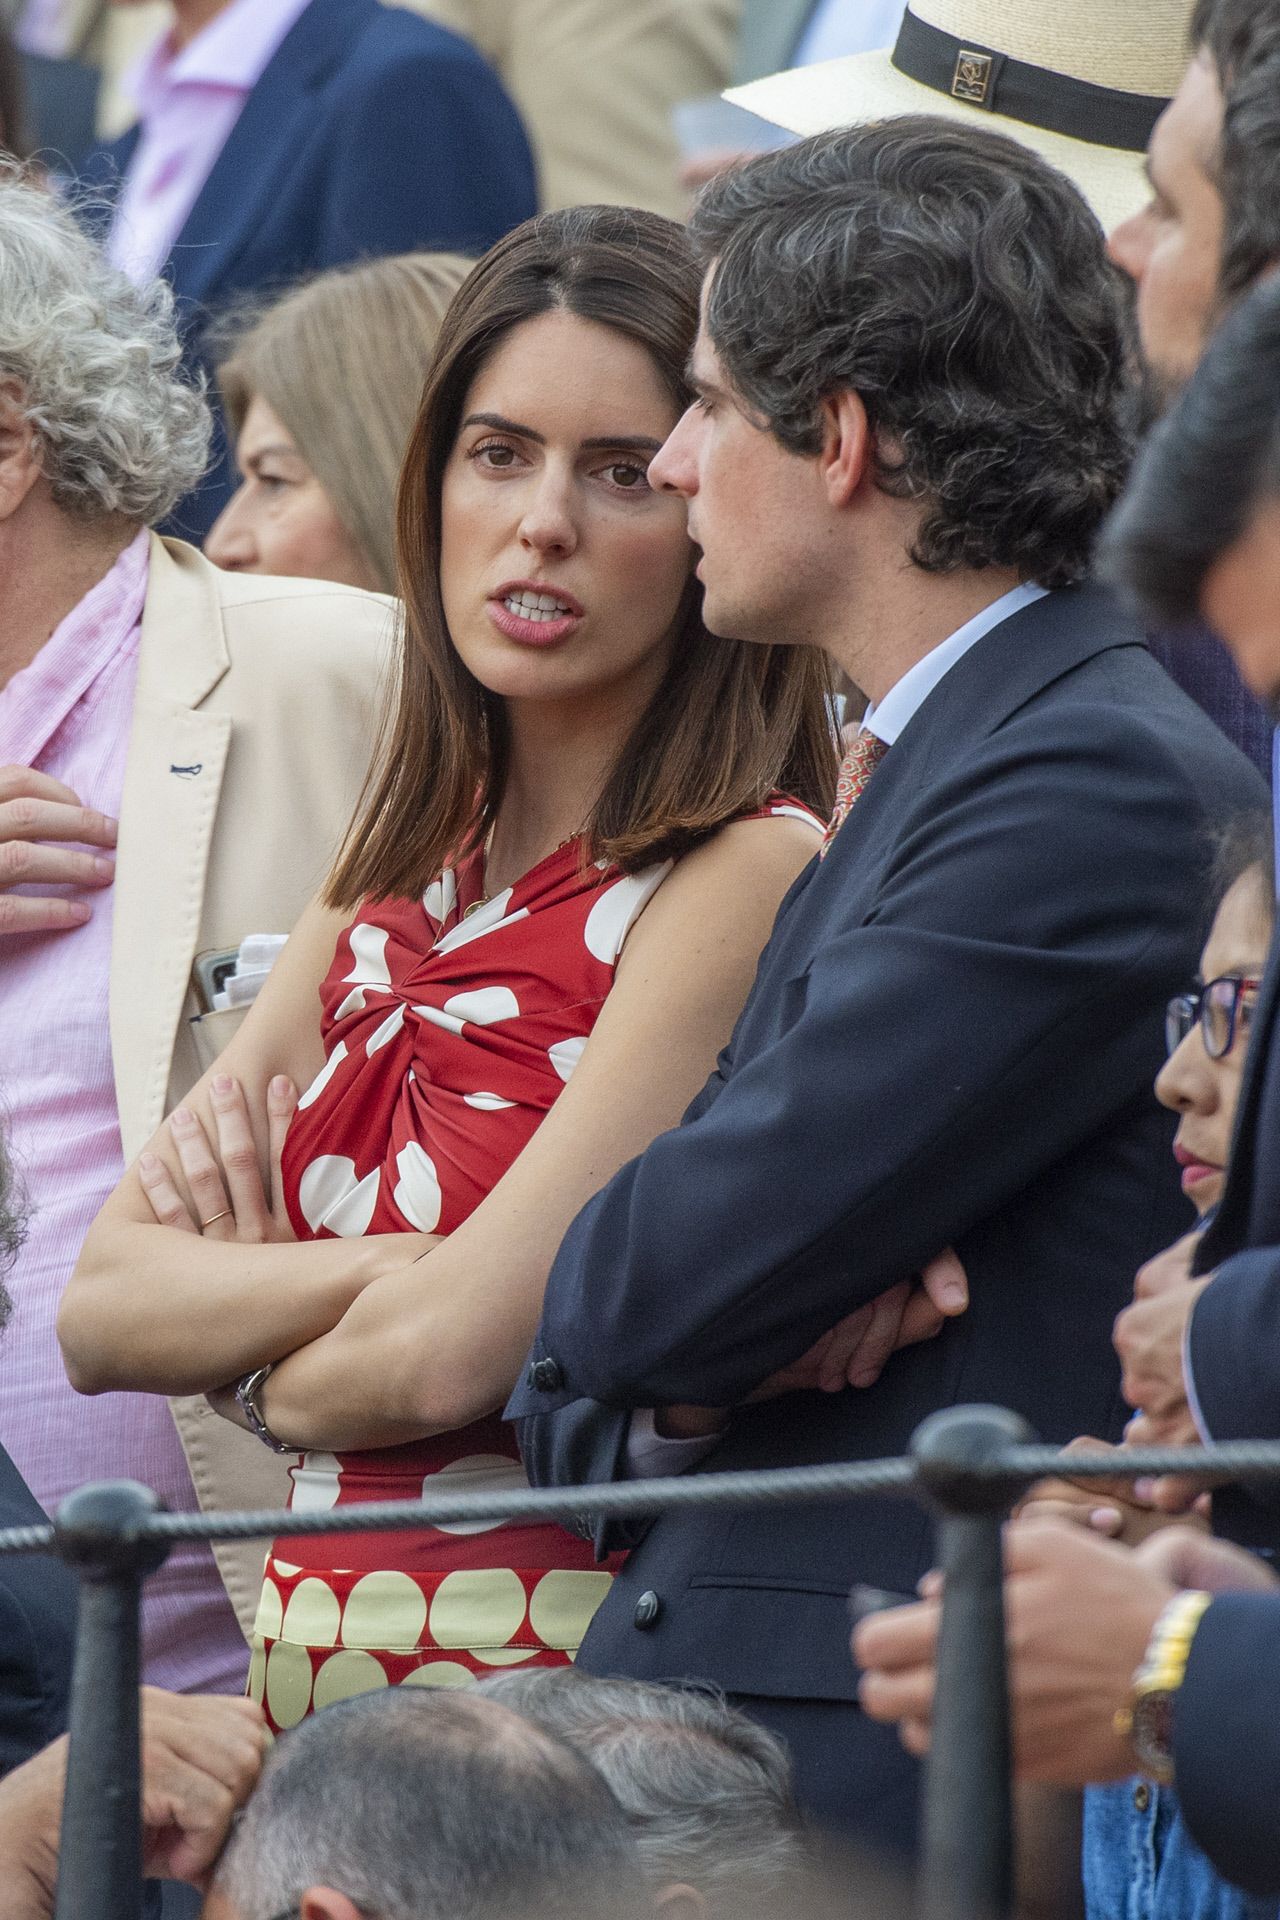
[623,442]
[699,385]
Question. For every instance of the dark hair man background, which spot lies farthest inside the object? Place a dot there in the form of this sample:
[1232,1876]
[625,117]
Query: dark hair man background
[1196,537]
[910,429]
[1211,227]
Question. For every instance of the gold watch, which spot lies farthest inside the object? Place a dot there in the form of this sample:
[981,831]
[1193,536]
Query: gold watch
[1147,1721]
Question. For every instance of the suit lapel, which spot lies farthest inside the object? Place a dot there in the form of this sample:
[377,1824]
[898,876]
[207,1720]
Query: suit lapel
[172,784]
[270,131]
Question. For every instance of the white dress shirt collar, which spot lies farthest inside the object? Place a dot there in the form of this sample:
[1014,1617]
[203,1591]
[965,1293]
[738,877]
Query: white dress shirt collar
[887,718]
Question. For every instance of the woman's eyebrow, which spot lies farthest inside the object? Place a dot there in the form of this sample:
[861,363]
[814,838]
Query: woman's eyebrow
[276,451]
[501,424]
[623,442]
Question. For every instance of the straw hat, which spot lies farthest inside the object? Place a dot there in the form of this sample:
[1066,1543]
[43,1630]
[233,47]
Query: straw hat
[1080,81]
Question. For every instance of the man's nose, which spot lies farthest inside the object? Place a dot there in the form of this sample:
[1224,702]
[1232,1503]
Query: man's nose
[674,468]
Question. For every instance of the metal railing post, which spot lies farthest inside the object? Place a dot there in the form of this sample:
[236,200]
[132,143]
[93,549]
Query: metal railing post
[966,1863]
[100,1862]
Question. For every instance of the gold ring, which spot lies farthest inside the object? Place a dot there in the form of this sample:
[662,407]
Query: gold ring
[224,1215]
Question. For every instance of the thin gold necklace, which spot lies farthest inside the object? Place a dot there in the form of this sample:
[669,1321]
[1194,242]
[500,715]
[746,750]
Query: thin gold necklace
[487,898]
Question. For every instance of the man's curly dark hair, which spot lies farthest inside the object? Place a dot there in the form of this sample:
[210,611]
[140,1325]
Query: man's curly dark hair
[959,285]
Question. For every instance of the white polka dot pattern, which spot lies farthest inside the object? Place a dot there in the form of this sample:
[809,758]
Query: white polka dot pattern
[617,910]
[417,1191]
[451,1024]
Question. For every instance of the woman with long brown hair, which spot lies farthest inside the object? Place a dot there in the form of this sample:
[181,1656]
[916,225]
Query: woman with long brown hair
[546,919]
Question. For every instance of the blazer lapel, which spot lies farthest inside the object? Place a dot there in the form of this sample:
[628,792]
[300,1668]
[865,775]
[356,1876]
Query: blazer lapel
[173,780]
[272,127]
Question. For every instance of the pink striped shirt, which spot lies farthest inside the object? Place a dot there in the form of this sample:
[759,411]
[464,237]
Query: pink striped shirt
[69,714]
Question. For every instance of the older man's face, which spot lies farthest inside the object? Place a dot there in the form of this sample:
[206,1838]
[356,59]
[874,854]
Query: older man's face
[1172,250]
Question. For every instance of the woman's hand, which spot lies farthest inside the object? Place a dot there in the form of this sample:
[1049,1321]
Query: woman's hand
[228,1198]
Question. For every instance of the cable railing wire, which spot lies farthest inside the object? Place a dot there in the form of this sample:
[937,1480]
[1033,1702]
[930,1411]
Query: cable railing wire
[634,1499]
[970,1464]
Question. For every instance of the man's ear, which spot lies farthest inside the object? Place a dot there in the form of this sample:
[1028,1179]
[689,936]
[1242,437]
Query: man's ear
[680,1901]
[322,1903]
[19,450]
[845,459]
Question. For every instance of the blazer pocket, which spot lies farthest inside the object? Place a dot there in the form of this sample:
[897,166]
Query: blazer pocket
[773,1638]
[211,1032]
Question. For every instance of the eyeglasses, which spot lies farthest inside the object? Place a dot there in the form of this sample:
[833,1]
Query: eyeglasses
[1217,1006]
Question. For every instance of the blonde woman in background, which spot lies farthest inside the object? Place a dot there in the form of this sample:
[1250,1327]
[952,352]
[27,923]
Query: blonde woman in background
[320,394]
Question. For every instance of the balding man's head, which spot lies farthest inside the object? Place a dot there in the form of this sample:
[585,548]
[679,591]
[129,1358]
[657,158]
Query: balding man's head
[413,1804]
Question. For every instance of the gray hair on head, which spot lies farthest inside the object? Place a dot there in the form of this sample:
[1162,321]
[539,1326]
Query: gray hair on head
[706,1790]
[97,363]
[423,1803]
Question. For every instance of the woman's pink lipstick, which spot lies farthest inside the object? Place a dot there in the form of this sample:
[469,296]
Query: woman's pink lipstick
[521,610]
[1194,1170]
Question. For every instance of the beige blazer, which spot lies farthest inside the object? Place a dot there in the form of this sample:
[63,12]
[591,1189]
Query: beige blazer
[595,82]
[256,711]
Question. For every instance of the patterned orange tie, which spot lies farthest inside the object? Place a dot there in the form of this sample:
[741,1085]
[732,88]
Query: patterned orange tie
[861,761]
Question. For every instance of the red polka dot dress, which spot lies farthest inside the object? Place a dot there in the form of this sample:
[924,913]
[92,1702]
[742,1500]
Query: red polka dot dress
[451,1023]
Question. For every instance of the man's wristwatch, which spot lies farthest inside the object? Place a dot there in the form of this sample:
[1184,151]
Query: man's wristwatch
[1147,1721]
[247,1390]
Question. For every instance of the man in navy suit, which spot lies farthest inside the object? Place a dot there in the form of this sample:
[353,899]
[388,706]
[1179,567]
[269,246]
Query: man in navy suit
[280,137]
[909,430]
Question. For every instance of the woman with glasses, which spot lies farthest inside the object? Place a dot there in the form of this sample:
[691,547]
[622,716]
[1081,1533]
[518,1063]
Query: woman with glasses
[1139,1859]
[1207,1027]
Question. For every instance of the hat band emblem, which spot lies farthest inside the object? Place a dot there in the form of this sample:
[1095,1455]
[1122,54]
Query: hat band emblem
[1018,90]
[972,79]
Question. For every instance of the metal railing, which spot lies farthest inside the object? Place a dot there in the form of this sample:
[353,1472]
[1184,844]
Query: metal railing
[969,1464]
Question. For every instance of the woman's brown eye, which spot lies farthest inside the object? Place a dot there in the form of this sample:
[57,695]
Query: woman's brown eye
[499,456]
[627,476]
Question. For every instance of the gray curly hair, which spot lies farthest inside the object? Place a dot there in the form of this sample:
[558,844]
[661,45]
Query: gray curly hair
[122,429]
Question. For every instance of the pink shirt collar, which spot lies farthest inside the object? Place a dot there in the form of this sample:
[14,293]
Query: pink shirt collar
[232,52]
[38,699]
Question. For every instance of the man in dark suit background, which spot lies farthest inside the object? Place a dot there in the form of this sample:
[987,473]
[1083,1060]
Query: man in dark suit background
[909,429]
[281,137]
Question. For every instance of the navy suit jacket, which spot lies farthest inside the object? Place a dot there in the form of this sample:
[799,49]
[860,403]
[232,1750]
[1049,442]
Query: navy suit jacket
[951,1040]
[37,1633]
[372,131]
[1227,1740]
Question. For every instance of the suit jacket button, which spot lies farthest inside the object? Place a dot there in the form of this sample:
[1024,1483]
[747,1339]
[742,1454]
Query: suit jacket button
[648,1607]
[546,1375]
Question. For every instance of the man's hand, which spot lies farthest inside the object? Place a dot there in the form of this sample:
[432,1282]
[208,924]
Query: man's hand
[1079,1614]
[1189,1557]
[854,1353]
[1109,1506]
[1149,1335]
[36,813]
[201,1756]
